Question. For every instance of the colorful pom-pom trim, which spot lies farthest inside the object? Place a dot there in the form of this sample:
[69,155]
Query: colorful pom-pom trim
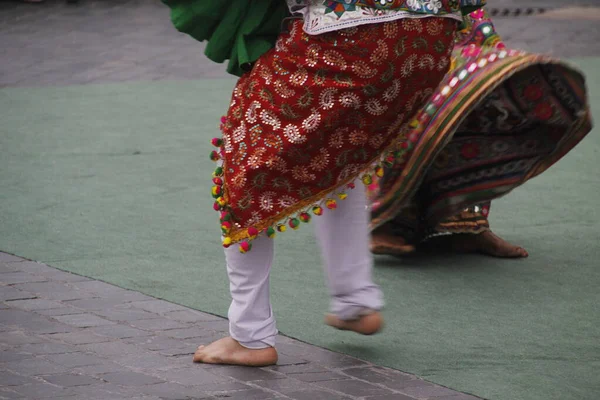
[294,222]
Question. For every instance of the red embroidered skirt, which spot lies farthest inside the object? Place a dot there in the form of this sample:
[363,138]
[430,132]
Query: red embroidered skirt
[316,113]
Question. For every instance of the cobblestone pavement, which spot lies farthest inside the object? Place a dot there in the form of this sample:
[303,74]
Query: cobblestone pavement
[64,336]
[96,41]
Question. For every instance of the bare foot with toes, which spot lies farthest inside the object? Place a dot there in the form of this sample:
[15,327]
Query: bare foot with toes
[231,352]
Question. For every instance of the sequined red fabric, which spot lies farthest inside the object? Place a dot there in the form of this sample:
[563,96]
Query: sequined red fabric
[316,112]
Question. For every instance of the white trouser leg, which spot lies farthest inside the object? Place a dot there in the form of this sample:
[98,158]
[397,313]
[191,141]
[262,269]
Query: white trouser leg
[251,320]
[343,235]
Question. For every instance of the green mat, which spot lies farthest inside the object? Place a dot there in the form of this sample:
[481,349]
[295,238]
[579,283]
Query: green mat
[112,182]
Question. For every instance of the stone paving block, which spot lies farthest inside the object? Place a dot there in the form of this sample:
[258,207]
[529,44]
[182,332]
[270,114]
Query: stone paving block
[34,267]
[8,258]
[378,375]
[125,314]
[129,296]
[245,374]
[36,366]
[155,343]
[80,338]
[149,362]
[8,268]
[72,360]
[108,349]
[178,351]
[8,293]
[94,303]
[157,306]
[157,324]
[103,368]
[354,388]
[65,310]
[16,338]
[54,290]
[227,386]
[13,316]
[402,384]
[104,289]
[47,327]
[191,316]
[144,341]
[283,385]
[252,394]
[41,390]
[428,391]
[83,320]
[188,333]
[8,356]
[70,380]
[394,396]
[21,318]
[130,379]
[98,287]
[284,359]
[299,368]
[320,376]
[7,393]
[192,376]
[330,358]
[221,325]
[36,304]
[46,348]
[317,395]
[63,276]
[11,278]
[173,391]
[101,391]
[119,331]
[8,378]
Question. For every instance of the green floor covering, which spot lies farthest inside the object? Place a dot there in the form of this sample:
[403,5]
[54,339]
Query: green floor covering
[112,182]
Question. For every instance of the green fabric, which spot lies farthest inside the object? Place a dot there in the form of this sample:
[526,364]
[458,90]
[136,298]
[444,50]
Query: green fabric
[238,30]
[113,182]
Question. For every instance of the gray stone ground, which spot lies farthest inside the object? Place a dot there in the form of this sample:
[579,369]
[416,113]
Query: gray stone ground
[96,41]
[63,336]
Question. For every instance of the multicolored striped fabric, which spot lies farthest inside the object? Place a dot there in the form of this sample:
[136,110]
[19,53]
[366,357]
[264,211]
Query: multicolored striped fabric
[499,118]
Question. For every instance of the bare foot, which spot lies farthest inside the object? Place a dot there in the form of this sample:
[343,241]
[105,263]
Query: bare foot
[383,242]
[229,351]
[368,324]
[485,243]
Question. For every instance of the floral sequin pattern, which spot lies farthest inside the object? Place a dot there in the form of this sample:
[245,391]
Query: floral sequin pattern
[315,114]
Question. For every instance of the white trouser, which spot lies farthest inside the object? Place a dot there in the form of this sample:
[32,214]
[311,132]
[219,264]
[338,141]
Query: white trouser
[343,235]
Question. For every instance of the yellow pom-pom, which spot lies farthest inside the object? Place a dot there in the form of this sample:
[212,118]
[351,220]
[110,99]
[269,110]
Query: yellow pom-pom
[342,196]
[227,242]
